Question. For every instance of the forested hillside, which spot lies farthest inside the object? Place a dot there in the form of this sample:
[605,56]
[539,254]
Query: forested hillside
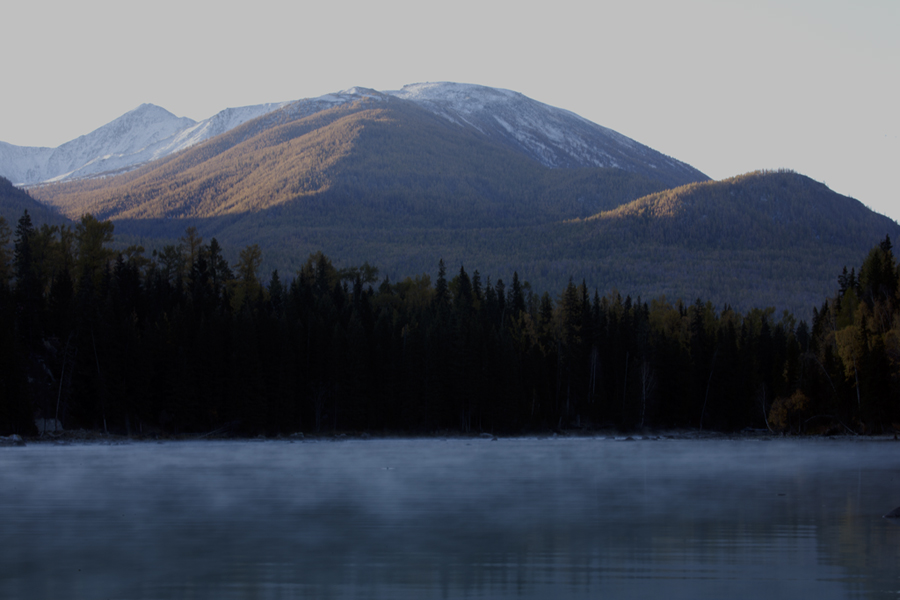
[772,209]
[761,239]
[182,342]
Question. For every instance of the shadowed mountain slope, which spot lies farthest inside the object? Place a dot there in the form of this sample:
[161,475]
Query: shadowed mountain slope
[14,202]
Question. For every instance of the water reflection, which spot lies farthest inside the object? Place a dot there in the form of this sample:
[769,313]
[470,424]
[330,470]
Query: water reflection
[449,519]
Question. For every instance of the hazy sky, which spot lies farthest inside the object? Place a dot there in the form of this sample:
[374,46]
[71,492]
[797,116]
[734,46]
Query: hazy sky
[727,87]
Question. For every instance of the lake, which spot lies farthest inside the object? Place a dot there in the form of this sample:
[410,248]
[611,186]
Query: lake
[456,518]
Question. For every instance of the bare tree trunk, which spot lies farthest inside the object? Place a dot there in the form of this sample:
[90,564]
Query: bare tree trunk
[100,380]
[765,414]
[62,379]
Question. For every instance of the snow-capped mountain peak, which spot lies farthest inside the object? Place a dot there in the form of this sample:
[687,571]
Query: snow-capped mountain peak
[146,133]
[464,98]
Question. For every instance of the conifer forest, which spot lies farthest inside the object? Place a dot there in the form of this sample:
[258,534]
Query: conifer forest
[178,342]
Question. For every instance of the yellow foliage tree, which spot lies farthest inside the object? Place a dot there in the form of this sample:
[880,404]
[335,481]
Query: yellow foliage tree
[785,410]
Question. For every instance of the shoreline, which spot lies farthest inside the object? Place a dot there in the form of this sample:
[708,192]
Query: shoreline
[82,436]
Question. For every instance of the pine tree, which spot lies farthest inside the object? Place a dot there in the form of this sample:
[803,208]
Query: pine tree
[441,289]
[516,298]
[276,294]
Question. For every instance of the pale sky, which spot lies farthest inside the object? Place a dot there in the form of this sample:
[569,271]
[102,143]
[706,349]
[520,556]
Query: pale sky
[728,87]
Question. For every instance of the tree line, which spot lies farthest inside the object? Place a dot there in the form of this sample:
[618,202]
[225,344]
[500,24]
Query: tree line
[181,342]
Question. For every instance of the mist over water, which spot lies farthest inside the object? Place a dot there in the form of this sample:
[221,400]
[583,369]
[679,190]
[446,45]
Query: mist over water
[513,518]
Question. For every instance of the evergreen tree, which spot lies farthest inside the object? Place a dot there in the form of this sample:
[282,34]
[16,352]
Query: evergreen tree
[219,271]
[516,299]
[276,294]
[93,257]
[441,289]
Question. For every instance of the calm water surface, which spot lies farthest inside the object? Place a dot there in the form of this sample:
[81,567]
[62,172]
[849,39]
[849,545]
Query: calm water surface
[462,518]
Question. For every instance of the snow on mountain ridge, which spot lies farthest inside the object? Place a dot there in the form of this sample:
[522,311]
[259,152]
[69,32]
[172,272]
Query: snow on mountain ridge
[553,136]
[220,123]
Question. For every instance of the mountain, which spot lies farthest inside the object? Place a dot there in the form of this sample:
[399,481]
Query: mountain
[393,162]
[551,136]
[139,136]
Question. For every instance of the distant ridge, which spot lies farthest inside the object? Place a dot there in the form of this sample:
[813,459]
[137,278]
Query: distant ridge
[773,209]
